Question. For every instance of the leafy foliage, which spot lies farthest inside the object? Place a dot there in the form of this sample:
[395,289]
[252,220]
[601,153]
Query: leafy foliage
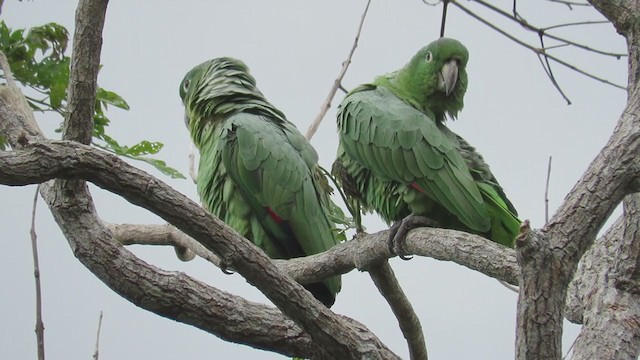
[38,62]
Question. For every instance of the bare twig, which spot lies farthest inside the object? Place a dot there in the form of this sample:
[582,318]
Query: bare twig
[547,68]
[541,31]
[338,82]
[387,283]
[509,286]
[96,353]
[569,3]
[570,348]
[534,49]
[443,22]
[546,193]
[577,23]
[6,69]
[36,275]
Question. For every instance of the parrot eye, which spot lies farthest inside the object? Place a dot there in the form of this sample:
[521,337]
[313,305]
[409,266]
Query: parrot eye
[428,57]
[185,85]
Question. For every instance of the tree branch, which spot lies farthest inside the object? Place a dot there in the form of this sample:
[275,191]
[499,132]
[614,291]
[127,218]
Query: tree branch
[75,213]
[186,248]
[83,73]
[36,275]
[611,321]
[388,285]
[338,81]
[549,258]
[592,272]
[96,352]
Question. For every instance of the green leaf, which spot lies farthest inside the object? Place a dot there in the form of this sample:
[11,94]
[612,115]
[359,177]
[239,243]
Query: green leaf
[38,61]
[145,148]
[161,166]
[111,98]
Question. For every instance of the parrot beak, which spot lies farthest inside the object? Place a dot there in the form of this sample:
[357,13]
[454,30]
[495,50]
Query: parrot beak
[448,76]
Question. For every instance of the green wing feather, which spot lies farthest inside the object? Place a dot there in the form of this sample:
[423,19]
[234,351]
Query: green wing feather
[399,143]
[257,172]
[271,172]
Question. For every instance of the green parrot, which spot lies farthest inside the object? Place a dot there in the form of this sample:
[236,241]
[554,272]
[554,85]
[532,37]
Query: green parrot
[396,156]
[257,172]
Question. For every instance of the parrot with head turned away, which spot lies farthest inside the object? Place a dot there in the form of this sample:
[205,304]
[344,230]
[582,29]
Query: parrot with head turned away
[396,156]
[257,172]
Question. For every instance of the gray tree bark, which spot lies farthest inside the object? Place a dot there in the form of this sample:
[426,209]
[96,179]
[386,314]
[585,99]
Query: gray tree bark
[603,293]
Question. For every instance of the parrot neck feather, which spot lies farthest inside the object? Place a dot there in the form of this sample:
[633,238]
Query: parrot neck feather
[420,92]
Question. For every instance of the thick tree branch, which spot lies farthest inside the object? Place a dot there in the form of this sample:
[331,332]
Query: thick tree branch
[340,339]
[169,294]
[549,258]
[83,74]
[612,320]
[592,273]
[83,79]
[186,248]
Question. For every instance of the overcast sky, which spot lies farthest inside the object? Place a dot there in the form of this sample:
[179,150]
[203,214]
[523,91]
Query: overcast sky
[513,115]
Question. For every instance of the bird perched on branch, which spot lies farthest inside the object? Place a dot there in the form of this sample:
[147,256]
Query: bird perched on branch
[257,172]
[397,158]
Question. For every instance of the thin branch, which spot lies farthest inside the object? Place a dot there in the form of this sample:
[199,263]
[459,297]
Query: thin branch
[578,23]
[570,348]
[569,3]
[443,21]
[546,193]
[509,286]
[388,285]
[548,68]
[338,81]
[36,275]
[6,69]
[96,353]
[518,19]
[535,50]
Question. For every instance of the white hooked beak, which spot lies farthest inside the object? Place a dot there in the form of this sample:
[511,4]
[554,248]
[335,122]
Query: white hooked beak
[448,76]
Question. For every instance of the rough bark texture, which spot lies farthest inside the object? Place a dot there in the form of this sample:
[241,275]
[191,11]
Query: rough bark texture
[592,273]
[74,212]
[388,285]
[549,258]
[604,295]
[83,74]
[612,321]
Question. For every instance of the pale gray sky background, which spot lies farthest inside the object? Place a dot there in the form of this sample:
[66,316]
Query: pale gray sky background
[513,115]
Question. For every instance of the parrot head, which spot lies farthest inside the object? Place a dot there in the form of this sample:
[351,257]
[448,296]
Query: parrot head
[218,88]
[208,86]
[435,79]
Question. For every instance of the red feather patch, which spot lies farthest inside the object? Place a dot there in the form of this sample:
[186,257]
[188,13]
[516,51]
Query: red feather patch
[274,216]
[417,187]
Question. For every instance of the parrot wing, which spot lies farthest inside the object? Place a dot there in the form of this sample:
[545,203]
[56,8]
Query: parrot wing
[398,142]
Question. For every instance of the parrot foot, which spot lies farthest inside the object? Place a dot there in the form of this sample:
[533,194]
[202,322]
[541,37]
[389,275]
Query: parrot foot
[400,229]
